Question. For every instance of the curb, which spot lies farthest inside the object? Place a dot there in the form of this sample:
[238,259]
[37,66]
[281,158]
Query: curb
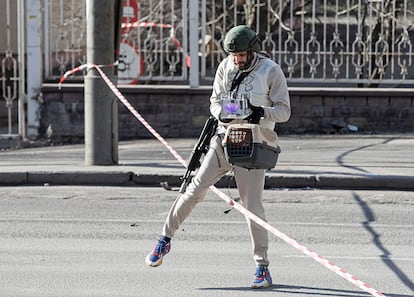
[386,182]
[345,182]
[65,178]
[95,178]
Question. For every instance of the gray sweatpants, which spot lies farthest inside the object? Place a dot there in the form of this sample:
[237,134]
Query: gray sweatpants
[250,184]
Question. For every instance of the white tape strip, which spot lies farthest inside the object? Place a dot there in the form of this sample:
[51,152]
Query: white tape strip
[328,264]
[146,24]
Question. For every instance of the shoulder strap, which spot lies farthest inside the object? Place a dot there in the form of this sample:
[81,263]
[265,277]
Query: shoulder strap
[238,79]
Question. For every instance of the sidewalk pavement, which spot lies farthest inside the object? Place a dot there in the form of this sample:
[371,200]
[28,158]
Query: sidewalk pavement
[384,162]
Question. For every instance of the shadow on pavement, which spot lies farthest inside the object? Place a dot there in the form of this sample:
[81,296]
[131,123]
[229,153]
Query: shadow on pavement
[385,257]
[290,290]
[341,157]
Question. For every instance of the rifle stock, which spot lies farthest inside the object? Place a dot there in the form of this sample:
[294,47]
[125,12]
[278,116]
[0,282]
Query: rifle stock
[200,148]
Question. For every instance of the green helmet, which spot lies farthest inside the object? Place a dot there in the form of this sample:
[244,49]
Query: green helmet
[241,38]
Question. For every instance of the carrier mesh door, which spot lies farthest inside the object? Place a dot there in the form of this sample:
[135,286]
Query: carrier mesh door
[239,143]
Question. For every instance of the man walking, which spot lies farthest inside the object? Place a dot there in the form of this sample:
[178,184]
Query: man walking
[246,73]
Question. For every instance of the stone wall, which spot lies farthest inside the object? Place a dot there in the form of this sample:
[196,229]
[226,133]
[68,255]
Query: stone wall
[177,111]
[371,110]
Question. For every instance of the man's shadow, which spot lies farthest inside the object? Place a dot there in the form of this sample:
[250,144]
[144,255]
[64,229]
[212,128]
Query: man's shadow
[290,290]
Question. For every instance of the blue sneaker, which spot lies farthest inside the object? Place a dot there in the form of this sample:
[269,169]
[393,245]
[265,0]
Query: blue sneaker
[154,259]
[262,278]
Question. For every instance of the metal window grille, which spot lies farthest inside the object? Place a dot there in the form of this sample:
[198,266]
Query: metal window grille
[12,70]
[325,42]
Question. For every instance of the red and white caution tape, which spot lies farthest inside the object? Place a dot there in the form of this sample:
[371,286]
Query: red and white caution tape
[82,68]
[146,24]
[328,264]
[73,71]
[138,24]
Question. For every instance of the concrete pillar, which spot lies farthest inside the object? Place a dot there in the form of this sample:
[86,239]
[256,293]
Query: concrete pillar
[34,66]
[101,111]
[193,42]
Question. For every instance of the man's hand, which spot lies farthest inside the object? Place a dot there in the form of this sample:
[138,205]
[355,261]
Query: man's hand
[256,115]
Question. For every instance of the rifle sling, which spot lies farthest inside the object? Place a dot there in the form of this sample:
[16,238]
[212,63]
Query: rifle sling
[238,79]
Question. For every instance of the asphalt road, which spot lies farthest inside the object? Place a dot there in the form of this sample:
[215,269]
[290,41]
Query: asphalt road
[92,241]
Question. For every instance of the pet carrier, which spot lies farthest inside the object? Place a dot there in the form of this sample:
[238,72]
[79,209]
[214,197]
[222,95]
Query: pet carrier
[251,146]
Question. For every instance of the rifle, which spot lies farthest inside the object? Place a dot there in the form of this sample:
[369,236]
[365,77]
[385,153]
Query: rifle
[199,149]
